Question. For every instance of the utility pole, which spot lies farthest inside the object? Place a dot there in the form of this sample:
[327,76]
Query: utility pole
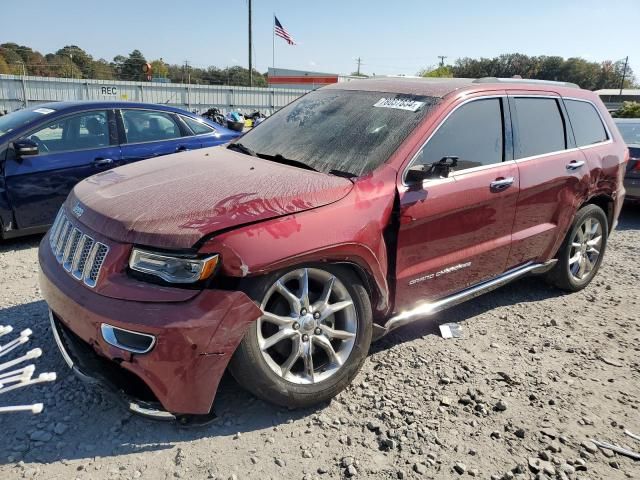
[442,57]
[359,60]
[624,74]
[250,55]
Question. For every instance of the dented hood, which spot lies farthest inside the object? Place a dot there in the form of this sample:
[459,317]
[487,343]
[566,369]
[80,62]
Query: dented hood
[173,201]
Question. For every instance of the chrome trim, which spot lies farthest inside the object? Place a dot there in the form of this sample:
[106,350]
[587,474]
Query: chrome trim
[151,412]
[109,336]
[56,336]
[429,308]
[68,243]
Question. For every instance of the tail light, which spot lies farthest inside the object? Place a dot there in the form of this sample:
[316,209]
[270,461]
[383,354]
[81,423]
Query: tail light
[636,168]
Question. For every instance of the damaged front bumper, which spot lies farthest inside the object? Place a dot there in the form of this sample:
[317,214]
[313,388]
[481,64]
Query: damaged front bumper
[193,341]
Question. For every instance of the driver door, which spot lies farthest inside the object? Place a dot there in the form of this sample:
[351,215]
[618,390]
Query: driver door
[456,231]
[69,150]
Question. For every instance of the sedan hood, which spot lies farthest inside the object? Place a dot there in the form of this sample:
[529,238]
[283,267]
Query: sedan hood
[173,201]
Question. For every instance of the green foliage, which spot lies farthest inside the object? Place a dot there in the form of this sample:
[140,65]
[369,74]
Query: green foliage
[443,71]
[4,68]
[132,67]
[589,75]
[159,68]
[628,110]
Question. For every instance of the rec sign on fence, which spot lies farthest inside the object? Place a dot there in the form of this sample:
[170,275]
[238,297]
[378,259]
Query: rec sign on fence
[108,91]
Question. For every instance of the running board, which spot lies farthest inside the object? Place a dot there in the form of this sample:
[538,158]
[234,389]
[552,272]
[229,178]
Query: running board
[429,308]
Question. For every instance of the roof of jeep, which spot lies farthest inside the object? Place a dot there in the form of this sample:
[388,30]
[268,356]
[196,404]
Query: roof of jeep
[441,87]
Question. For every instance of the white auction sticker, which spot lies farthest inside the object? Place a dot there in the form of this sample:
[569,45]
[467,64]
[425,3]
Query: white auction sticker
[399,103]
[44,111]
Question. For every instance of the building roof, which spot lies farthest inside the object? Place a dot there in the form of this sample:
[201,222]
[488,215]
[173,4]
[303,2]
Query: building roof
[616,91]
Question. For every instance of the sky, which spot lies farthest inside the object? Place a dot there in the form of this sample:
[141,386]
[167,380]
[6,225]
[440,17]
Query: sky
[391,37]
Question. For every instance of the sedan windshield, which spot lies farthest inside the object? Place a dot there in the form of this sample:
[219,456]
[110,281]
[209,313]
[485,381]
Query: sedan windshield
[20,118]
[630,132]
[339,131]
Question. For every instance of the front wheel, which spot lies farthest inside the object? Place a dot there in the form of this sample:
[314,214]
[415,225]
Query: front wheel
[582,251]
[311,340]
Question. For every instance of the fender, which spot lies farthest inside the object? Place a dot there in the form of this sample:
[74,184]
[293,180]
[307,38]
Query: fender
[351,231]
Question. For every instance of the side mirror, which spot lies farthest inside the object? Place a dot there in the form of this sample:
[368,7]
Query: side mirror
[417,174]
[440,169]
[25,147]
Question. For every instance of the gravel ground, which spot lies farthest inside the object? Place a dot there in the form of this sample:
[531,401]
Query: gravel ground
[536,375]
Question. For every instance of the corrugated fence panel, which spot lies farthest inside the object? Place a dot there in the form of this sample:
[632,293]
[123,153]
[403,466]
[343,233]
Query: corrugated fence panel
[190,97]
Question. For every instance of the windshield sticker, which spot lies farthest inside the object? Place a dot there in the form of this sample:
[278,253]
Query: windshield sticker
[44,111]
[399,103]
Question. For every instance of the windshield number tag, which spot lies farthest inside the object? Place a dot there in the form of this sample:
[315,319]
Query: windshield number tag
[399,103]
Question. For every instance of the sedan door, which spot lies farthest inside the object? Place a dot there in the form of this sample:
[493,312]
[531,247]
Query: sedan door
[69,149]
[456,231]
[151,133]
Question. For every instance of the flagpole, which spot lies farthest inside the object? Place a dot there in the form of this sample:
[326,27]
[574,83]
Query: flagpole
[273,33]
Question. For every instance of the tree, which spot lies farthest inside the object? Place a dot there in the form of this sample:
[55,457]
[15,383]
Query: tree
[102,70]
[159,68]
[80,58]
[628,110]
[132,66]
[4,68]
[443,71]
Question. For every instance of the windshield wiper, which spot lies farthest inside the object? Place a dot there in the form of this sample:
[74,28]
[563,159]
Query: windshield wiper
[342,173]
[241,148]
[278,158]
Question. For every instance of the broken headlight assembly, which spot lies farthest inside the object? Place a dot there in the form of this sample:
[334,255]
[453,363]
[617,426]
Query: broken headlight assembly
[173,268]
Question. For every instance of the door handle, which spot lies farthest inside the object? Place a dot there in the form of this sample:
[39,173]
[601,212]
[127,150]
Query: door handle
[575,164]
[103,162]
[181,148]
[500,184]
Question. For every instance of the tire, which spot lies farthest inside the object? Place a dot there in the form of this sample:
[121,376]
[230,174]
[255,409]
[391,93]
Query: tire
[591,223]
[268,372]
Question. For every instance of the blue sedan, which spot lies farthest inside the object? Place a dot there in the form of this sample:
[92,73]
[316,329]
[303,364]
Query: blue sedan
[47,149]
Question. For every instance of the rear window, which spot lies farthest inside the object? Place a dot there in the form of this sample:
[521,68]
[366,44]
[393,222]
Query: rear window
[540,127]
[630,132]
[586,123]
[197,127]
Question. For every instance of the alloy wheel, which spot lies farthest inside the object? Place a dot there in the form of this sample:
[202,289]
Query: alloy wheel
[308,327]
[585,249]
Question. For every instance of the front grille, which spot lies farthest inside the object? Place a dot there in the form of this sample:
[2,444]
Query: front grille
[77,252]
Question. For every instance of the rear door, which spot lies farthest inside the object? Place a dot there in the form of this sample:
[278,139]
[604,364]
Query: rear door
[151,133]
[456,231]
[71,148]
[554,175]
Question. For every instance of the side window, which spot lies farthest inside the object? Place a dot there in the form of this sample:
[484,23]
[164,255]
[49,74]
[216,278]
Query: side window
[586,123]
[78,132]
[149,126]
[540,127]
[198,128]
[474,133]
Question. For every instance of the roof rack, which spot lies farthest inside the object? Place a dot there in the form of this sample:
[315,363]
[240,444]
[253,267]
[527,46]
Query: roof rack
[524,80]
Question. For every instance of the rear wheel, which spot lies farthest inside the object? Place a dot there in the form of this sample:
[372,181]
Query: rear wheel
[311,340]
[582,251]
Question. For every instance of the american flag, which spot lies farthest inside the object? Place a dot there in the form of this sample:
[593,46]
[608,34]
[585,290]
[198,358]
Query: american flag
[281,32]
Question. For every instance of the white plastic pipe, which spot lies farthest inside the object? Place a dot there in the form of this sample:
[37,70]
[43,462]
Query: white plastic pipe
[30,355]
[35,408]
[43,377]
[28,369]
[22,339]
[4,329]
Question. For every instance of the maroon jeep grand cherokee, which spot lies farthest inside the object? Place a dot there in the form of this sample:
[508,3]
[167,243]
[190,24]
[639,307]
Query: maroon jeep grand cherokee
[356,209]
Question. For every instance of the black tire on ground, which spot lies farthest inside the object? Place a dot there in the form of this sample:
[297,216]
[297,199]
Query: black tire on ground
[561,276]
[252,372]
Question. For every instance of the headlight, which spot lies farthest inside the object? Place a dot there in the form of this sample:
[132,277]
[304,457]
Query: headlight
[173,268]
